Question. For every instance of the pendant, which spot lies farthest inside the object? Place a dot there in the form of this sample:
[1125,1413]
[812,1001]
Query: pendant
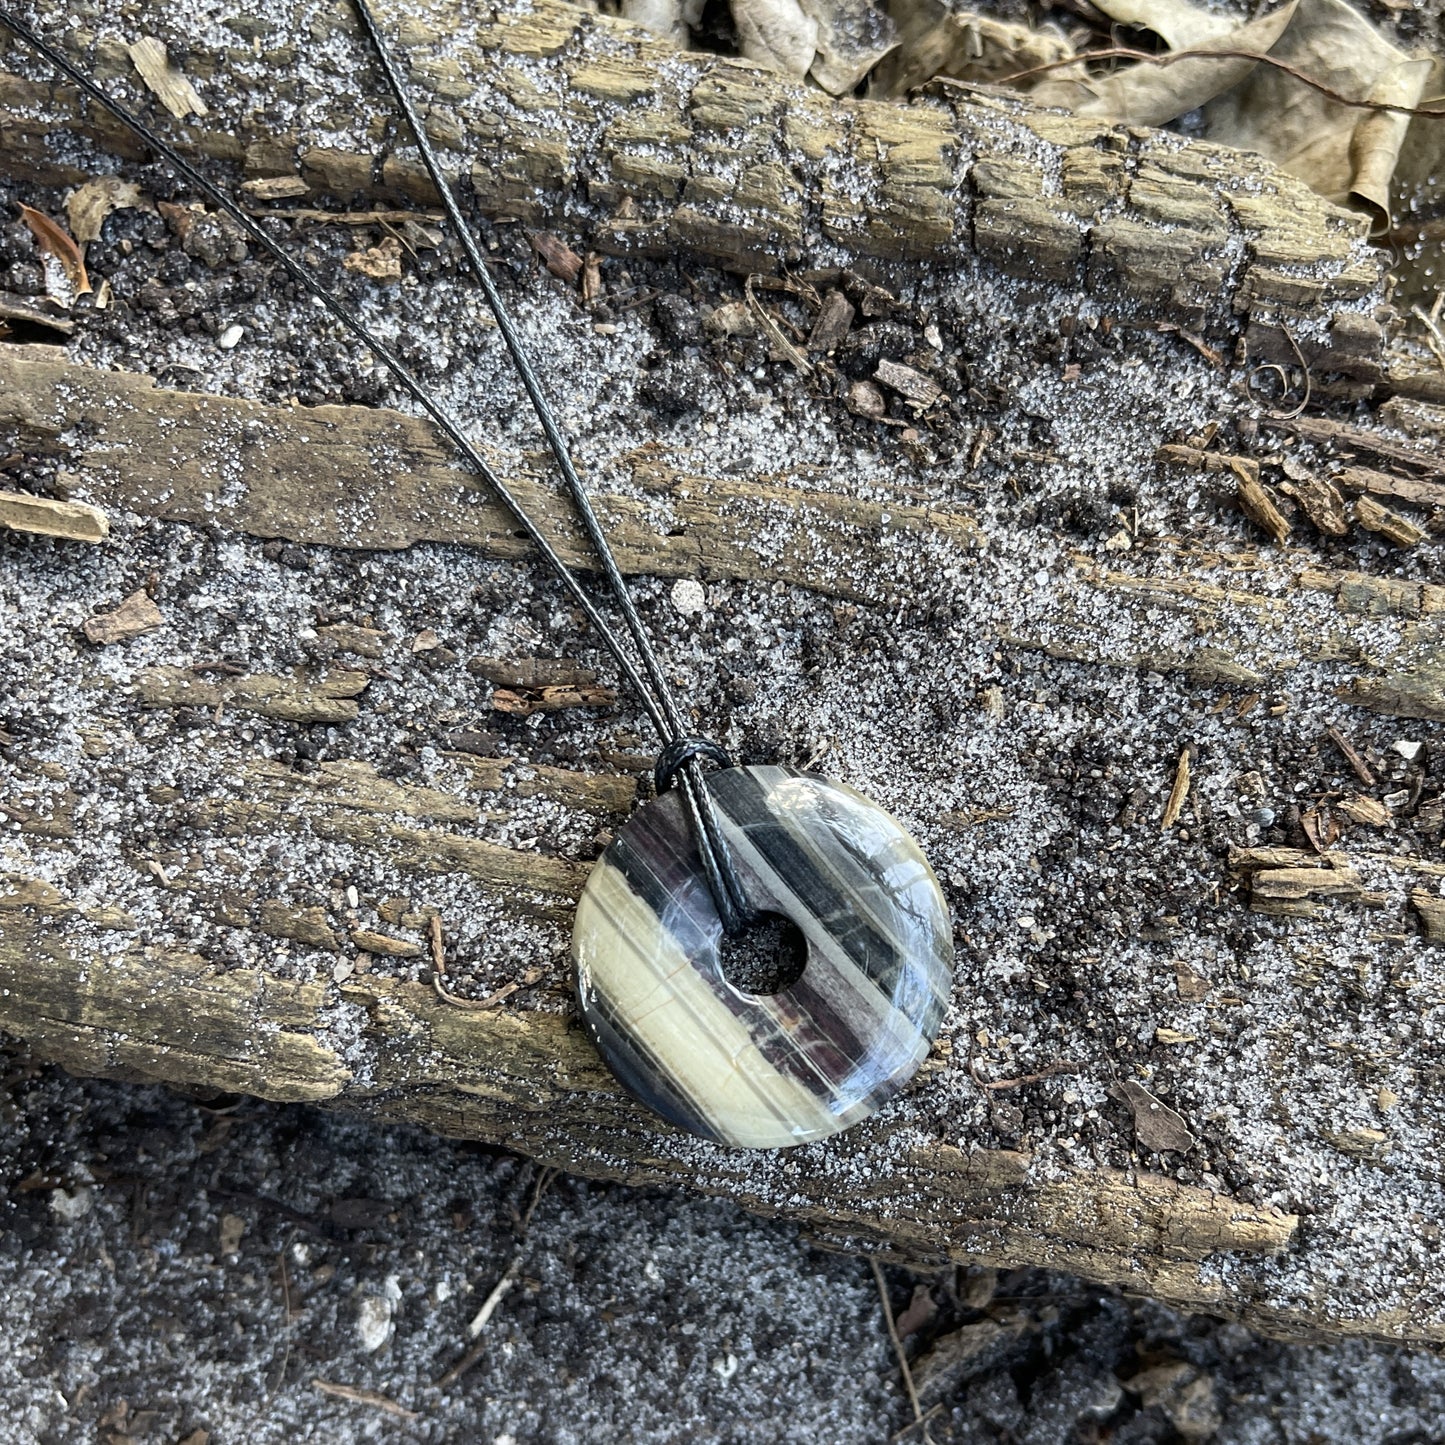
[753,1070]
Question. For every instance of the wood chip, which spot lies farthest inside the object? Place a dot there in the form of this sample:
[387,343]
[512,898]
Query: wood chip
[359,1396]
[550,699]
[1255,502]
[1178,793]
[87,206]
[592,277]
[1431,908]
[866,400]
[34,313]
[1319,499]
[1156,1125]
[557,256]
[274,188]
[1352,757]
[56,241]
[922,390]
[1174,1037]
[166,83]
[1386,484]
[835,320]
[136,616]
[1368,811]
[383,944]
[348,637]
[1362,1143]
[1390,525]
[74,521]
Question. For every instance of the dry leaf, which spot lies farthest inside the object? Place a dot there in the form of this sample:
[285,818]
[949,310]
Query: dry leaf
[1156,1125]
[1342,152]
[167,83]
[56,241]
[663,17]
[87,206]
[934,41]
[1146,94]
[136,616]
[853,36]
[776,34]
[557,256]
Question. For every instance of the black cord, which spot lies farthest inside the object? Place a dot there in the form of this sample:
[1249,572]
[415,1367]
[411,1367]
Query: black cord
[650,684]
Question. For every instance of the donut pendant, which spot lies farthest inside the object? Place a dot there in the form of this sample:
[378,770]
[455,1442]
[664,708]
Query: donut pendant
[764,1071]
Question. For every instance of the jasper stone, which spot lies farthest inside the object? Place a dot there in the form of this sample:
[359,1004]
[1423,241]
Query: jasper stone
[753,1070]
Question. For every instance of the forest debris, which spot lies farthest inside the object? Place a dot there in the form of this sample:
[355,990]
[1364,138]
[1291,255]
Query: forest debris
[835,320]
[22,308]
[330,698]
[1255,502]
[1351,754]
[46,517]
[557,256]
[306,926]
[666,18]
[164,80]
[1374,517]
[349,637]
[1190,985]
[385,945]
[532,672]
[1293,892]
[852,37]
[1173,1037]
[1387,484]
[1366,1143]
[1342,436]
[978,49]
[550,699]
[1181,1392]
[1156,1125]
[1344,153]
[359,1396]
[1431,908]
[957,1357]
[732,318]
[776,34]
[592,277]
[381,262]
[1318,497]
[774,332]
[136,616]
[87,206]
[1368,811]
[1178,793]
[496,1295]
[233,1226]
[922,390]
[1145,94]
[866,400]
[56,241]
[274,188]
[893,1336]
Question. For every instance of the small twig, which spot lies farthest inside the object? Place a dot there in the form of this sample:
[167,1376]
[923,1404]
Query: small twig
[1173,57]
[479,1323]
[492,999]
[286,1305]
[544,1181]
[915,1424]
[1362,769]
[897,1343]
[1434,339]
[1178,793]
[1063,1066]
[775,332]
[358,1396]
[434,939]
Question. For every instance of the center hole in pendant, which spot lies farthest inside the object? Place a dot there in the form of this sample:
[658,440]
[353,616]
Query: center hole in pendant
[767,958]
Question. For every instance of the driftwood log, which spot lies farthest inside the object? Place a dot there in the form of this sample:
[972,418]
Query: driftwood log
[174,894]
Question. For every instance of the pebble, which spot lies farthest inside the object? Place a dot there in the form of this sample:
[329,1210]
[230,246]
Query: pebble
[689,597]
[230,337]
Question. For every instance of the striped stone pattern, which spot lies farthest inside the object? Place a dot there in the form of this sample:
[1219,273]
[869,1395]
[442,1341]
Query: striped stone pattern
[765,1071]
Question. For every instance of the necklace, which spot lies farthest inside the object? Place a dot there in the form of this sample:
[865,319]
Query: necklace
[715,855]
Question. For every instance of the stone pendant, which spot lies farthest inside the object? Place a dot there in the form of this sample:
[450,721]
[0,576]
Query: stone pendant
[752,1070]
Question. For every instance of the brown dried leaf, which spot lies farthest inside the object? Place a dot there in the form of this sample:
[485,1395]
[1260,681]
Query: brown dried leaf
[853,36]
[934,41]
[1146,94]
[557,256]
[136,616]
[56,241]
[1342,152]
[1156,1125]
[381,262]
[776,34]
[87,206]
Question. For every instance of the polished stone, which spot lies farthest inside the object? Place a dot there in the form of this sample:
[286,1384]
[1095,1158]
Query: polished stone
[754,1070]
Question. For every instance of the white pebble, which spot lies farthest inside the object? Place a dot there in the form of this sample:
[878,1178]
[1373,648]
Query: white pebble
[373,1323]
[230,336]
[71,1204]
[688,597]
[1407,750]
